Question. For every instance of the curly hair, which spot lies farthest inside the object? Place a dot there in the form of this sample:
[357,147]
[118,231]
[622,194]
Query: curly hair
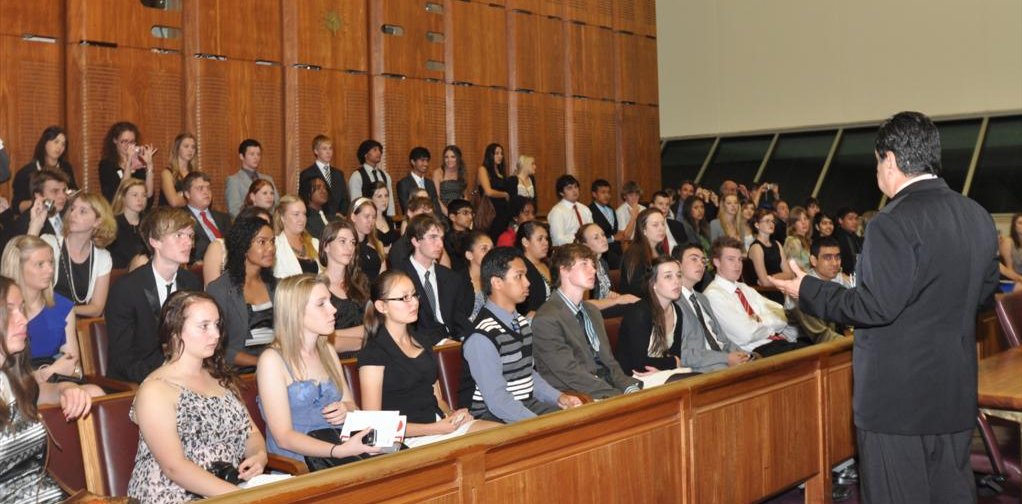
[110,140]
[238,241]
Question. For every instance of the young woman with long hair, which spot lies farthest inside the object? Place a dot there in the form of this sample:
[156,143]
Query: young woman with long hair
[214,261]
[650,337]
[474,246]
[603,295]
[525,172]
[372,257]
[301,384]
[349,286]
[796,245]
[767,256]
[450,177]
[189,411]
[182,153]
[386,231]
[493,183]
[397,372]
[128,206]
[297,250]
[50,154]
[728,221]
[122,157]
[533,239]
[650,231]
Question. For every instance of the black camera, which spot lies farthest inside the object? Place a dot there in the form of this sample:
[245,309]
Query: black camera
[225,471]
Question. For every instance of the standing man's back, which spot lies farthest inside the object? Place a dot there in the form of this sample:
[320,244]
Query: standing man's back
[928,262]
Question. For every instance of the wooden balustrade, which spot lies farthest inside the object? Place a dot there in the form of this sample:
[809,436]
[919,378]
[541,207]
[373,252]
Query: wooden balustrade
[738,435]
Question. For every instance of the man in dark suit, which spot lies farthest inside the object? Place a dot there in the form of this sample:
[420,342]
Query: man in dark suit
[846,231]
[445,297]
[133,310]
[605,217]
[417,178]
[572,351]
[209,224]
[402,248]
[323,149]
[46,185]
[928,262]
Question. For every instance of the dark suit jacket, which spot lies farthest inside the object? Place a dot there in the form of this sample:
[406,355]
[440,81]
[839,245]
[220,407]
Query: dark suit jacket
[223,223]
[563,355]
[132,322]
[407,185]
[455,297]
[929,261]
[20,226]
[633,341]
[339,198]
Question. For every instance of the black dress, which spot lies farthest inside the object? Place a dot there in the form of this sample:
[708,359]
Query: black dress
[109,179]
[388,238]
[349,314]
[369,260]
[539,289]
[127,245]
[407,382]
[771,256]
[177,187]
[501,206]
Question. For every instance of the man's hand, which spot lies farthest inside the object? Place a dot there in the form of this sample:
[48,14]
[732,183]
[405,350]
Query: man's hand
[790,287]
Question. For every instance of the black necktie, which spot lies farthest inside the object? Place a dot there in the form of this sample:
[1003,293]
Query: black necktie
[430,296]
[170,286]
[706,331]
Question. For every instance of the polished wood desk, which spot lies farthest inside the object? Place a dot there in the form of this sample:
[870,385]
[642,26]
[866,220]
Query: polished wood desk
[1000,381]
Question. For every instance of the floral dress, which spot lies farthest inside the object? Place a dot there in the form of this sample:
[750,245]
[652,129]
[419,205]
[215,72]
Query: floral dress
[211,429]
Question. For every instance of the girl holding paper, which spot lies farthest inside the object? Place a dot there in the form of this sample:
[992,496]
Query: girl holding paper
[301,385]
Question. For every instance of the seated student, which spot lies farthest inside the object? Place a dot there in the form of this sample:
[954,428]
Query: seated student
[262,194]
[297,250]
[522,210]
[603,297]
[301,384]
[402,248]
[135,299]
[704,346]
[49,193]
[605,217]
[473,247]
[386,230]
[349,286]
[50,154]
[650,337]
[461,216]
[128,207]
[250,152]
[83,264]
[189,411]
[398,370]
[372,259]
[825,256]
[848,238]
[571,347]
[568,214]
[500,380]
[630,207]
[445,297]
[245,291]
[53,346]
[677,228]
[215,259]
[767,255]
[210,225]
[534,243]
[650,242]
[24,443]
[753,322]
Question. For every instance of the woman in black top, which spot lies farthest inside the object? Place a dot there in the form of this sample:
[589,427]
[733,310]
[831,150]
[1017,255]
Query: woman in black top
[533,239]
[50,154]
[767,255]
[397,372]
[128,205]
[370,251]
[182,152]
[386,232]
[123,158]
[650,337]
[349,287]
[245,290]
[495,184]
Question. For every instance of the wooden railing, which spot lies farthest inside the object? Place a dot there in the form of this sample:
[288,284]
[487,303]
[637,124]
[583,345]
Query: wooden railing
[734,436]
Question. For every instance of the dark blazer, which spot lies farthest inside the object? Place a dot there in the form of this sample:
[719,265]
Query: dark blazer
[929,261]
[338,201]
[563,355]
[851,247]
[132,322]
[407,185]
[633,341]
[455,297]
[223,223]
[694,353]
[20,226]
[234,311]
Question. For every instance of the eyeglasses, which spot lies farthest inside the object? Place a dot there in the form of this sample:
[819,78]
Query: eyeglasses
[407,298]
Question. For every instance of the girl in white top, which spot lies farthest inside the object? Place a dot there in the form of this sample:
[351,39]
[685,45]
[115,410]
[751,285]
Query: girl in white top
[83,264]
[297,250]
[525,170]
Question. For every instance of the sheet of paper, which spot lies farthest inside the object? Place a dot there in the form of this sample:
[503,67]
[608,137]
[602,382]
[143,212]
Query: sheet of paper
[660,377]
[390,426]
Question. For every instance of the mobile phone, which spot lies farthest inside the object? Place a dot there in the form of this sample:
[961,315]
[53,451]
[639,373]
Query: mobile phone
[370,438]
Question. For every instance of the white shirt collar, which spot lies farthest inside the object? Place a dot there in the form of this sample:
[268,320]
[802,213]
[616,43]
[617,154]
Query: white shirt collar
[421,270]
[728,284]
[321,165]
[913,180]
[369,168]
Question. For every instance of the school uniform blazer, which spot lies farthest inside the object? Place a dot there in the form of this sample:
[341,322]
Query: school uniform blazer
[455,297]
[563,355]
[694,353]
[132,322]
[928,261]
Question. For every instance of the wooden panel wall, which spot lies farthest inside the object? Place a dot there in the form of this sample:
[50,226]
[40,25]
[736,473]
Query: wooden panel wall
[282,72]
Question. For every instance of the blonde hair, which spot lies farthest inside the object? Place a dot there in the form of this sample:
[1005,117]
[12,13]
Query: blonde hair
[731,226]
[106,231]
[175,147]
[522,161]
[278,224]
[117,207]
[289,301]
[16,255]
